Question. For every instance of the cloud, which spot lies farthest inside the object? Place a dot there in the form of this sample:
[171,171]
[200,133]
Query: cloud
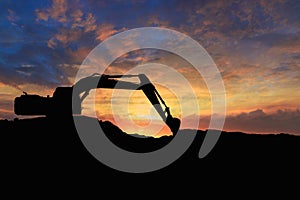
[12,17]
[79,20]
[72,24]
[79,54]
[6,114]
[218,23]
[257,121]
[64,37]
[34,64]
[104,31]
[253,44]
[57,11]
[6,105]
[89,23]
[154,20]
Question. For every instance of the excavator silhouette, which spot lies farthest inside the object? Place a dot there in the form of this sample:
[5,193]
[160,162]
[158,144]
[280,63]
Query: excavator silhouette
[67,101]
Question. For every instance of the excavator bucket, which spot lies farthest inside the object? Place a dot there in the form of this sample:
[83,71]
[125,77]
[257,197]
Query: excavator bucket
[173,123]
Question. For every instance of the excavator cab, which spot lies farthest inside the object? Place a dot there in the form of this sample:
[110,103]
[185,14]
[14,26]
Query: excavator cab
[28,104]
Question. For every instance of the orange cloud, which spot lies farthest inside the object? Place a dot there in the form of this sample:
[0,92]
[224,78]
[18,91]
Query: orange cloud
[56,12]
[79,54]
[104,31]
[64,37]
[6,114]
[51,43]
[257,121]
[78,22]
[69,16]
[87,22]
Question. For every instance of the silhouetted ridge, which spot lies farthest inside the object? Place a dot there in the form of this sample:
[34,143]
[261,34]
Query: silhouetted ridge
[53,148]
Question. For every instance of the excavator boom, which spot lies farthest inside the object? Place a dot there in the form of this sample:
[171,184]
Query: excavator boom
[68,100]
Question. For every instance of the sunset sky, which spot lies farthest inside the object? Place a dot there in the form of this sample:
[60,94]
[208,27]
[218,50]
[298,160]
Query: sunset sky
[255,45]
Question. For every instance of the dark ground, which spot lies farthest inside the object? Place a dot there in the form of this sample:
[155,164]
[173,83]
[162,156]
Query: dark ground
[39,151]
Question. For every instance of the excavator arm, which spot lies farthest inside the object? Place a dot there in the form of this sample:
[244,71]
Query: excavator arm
[110,81]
